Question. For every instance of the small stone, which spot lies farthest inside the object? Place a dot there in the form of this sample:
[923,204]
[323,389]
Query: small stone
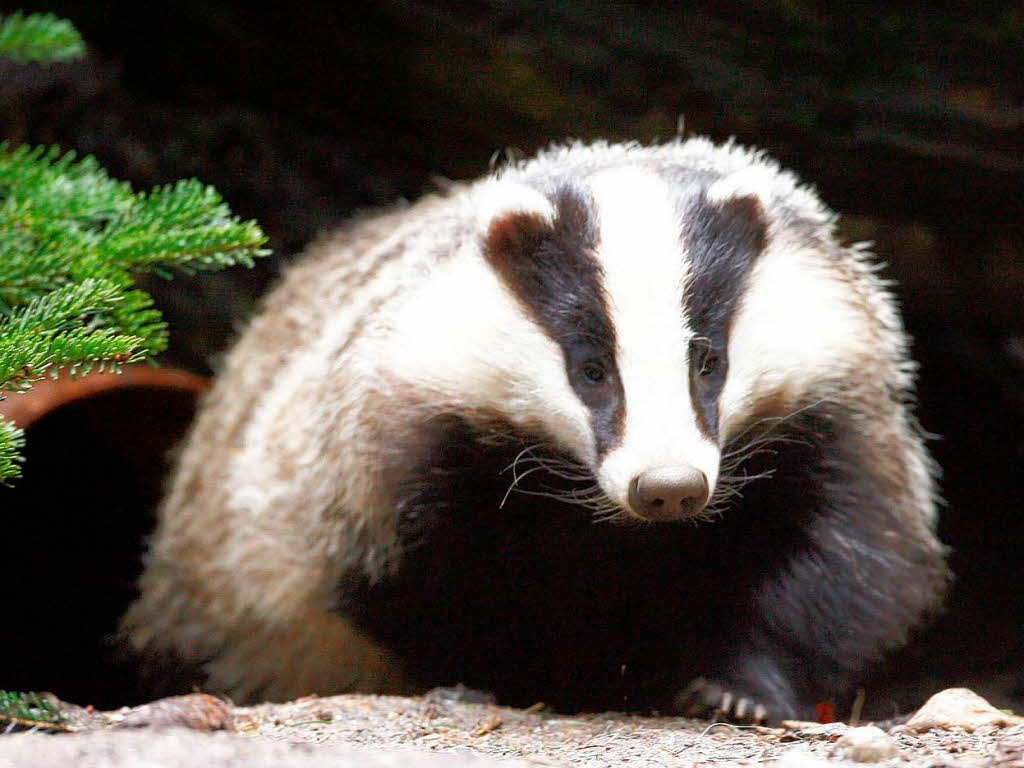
[959,708]
[868,744]
[198,711]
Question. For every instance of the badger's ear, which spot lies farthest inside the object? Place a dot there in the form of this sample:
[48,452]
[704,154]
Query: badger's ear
[752,182]
[737,224]
[733,218]
[513,219]
[496,199]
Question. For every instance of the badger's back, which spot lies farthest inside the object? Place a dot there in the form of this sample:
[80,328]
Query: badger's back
[395,480]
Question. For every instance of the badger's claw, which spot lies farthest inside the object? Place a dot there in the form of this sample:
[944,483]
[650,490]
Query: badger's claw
[706,699]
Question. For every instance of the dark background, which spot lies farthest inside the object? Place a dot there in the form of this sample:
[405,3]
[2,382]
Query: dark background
[907,119]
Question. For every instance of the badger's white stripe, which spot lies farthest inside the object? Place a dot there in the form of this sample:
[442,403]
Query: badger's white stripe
[470,346]
[795,335]
[644,268]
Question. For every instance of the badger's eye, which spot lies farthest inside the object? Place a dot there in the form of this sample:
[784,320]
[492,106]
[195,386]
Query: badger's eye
[708,365]
[593,371]
[703,358]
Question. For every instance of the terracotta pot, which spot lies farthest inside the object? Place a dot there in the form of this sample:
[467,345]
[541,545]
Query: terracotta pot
[73,527]
[49,394]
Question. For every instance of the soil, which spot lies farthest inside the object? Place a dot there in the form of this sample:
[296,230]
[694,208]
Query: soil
[439,729]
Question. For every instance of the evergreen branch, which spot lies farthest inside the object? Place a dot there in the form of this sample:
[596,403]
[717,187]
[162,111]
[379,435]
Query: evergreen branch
[62,218]
[56,310]
[185,226]
[30,710]
[50,186]
[39,37]
[134,315]
[25,357]
[12,440]
[71,241]
[67,328]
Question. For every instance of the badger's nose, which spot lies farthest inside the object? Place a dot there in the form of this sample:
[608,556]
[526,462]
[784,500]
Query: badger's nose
[668,493]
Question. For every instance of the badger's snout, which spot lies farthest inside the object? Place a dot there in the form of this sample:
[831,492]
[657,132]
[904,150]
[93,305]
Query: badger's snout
[668,493]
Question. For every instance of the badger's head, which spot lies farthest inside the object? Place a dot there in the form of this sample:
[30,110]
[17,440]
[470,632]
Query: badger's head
[602,314]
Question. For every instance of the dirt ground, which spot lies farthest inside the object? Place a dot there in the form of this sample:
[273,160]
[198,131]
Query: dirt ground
[956,728]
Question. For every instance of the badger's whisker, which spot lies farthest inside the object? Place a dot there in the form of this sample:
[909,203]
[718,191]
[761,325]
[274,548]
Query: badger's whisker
[520,457]
[565,474]
[773,423]
[515,481]
[757,439]
[531,459]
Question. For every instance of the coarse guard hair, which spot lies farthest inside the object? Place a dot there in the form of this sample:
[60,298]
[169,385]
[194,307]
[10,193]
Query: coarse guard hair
[619,426]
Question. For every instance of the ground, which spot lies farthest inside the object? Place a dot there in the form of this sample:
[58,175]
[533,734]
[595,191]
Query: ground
[956,728]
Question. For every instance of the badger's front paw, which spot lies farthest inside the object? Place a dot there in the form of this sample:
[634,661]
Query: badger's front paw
[708,699]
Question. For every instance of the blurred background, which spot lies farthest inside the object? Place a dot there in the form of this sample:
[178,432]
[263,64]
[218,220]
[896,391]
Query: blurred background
[907,118]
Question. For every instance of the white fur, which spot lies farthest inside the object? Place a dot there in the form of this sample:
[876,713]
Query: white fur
[467,344]
[795,333]
[753,181]
[641,255]
[493,198]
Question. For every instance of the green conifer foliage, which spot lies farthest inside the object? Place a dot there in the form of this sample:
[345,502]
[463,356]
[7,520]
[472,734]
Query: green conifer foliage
[29,710]
[39,37]
[71,241]
[11,441]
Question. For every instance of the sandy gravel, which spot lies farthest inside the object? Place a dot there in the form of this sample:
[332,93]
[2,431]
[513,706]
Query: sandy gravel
[437,730]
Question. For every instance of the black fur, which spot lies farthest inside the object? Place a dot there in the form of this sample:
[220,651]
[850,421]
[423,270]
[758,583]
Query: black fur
[553,272]
[723,241]
[533,600]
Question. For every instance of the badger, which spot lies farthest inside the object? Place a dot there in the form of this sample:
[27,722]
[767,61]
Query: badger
[617,427]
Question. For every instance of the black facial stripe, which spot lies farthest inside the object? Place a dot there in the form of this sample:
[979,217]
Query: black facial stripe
[723,241]
[551,269]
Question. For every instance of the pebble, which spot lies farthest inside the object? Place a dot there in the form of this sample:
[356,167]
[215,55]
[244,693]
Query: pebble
[868,744]
[959,708]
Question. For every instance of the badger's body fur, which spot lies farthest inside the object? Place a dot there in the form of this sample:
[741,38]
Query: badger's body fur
[415,467]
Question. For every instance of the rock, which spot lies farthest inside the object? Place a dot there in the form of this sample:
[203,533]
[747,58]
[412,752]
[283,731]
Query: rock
[198,711]
[959,708]
[868,744]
